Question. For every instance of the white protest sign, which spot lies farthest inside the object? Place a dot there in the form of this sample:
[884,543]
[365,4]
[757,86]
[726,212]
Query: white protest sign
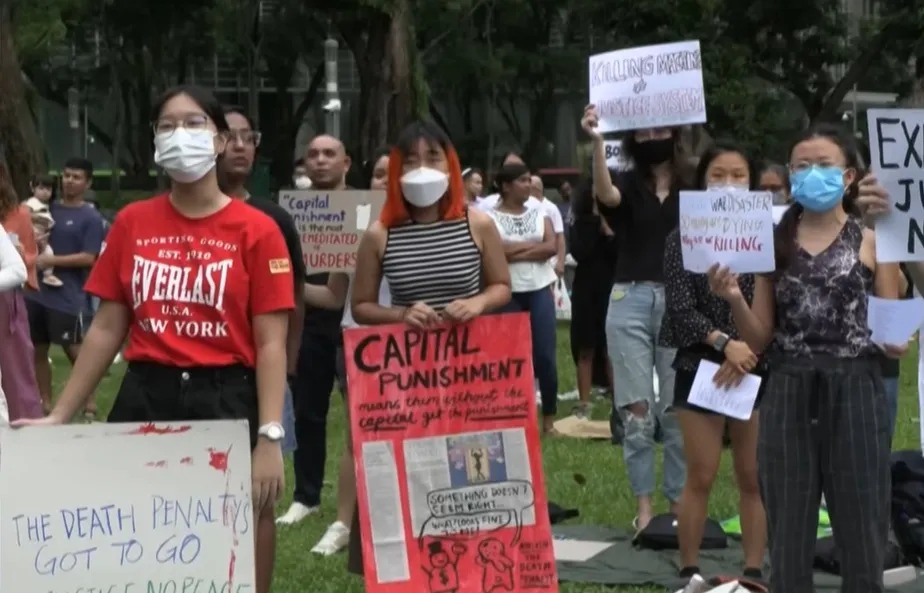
[127,508]
[648,87]
[733,228]
[615,156]
[896,143]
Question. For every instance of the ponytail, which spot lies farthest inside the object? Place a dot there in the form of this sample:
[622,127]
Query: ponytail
[784,237]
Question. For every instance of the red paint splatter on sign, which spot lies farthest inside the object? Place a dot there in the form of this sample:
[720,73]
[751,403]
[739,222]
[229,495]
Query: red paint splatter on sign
[156,464]
[231,564]
[151,428]
[219,459]
[186,461]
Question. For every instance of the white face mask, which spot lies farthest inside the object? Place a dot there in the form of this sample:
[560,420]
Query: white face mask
[186,155]
[302,182]
[727,187]
[424,186]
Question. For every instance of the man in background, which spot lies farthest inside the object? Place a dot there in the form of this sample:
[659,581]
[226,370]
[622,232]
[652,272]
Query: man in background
[61,314]
[327,164]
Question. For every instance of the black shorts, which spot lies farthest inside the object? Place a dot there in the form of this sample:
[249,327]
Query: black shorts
[49,326]
[683,383]
[156,393]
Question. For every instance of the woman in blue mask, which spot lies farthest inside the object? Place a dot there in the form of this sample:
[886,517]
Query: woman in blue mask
[824,419]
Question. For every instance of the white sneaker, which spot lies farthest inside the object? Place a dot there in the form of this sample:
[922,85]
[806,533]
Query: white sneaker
[335,539]
[296,513]
[118,359]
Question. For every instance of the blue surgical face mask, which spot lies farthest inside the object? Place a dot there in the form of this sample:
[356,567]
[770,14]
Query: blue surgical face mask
[818,188]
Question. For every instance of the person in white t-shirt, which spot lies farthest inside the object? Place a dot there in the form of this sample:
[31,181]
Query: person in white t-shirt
[537,189]
[473,179]
[335,295]
[529,243]
[12,276]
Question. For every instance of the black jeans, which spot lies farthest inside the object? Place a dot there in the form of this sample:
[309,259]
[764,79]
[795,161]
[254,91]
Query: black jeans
[153,392]
[311,390]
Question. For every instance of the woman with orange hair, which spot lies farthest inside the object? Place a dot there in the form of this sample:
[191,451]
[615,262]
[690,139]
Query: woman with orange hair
[442,260]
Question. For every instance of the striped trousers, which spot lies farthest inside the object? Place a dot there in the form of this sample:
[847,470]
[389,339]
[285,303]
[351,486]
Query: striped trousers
[824,427]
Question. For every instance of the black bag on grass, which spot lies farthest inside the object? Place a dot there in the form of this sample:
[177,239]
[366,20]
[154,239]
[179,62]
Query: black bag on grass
[828,558]
[661,534]
[908,504]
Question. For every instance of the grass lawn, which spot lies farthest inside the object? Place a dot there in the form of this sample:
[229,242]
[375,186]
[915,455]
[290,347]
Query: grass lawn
[603,497]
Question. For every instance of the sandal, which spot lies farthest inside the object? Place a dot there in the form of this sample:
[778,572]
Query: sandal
[89,416]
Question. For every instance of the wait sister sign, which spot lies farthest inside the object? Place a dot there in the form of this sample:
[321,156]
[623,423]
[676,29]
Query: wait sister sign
[732,228]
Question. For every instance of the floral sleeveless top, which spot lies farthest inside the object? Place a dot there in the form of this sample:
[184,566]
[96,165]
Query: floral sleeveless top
[821,300]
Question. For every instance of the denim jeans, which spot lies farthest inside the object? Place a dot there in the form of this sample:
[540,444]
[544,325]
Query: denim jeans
[540,304]
[891,391]
[633,322]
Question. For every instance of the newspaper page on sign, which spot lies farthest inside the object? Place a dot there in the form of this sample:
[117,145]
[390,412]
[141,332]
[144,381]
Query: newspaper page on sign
[331,223]
[648,87]
[733,228]
[897,158]
[127,508]
[449,470]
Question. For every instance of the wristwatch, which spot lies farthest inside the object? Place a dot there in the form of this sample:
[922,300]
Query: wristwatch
[720,343]
[272,431]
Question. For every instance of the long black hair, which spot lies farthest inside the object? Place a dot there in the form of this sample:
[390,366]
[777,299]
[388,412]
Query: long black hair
[785,234]
[717,149]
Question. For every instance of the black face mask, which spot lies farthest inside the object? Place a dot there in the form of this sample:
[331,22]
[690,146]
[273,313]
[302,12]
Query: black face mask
[654,152]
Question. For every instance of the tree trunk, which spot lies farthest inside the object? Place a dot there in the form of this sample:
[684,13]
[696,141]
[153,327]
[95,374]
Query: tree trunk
[20,144]
[402,79]
[374,66]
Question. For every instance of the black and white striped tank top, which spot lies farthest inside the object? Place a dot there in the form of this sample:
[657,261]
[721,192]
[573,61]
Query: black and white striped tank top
[434,263]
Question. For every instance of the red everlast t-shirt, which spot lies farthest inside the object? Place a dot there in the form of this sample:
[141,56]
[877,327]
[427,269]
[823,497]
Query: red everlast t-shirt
[193,285]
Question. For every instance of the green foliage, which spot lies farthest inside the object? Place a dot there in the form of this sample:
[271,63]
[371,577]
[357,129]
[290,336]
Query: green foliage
[40,27]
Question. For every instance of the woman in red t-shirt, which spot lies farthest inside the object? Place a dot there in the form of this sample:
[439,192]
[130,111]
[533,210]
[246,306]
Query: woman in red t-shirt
[202,286]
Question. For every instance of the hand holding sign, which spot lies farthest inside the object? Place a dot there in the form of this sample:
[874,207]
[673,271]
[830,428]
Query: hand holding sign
[872,199]
[723,283]
[590,122]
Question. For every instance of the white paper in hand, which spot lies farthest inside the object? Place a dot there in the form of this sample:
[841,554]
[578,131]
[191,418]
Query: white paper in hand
[735,402]
[894,321]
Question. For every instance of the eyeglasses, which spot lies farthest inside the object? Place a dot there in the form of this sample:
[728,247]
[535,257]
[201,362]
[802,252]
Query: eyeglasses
[166,127]
[245,136]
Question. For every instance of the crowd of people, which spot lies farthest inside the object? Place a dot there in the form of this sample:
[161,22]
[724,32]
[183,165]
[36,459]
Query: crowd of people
[204,291]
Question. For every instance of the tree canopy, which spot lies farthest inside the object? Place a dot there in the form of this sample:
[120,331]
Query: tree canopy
[495,72]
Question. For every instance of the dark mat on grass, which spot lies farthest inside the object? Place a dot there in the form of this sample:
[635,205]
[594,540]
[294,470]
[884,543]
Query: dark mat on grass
[623,564]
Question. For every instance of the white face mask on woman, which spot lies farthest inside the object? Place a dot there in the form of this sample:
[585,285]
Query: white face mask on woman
[186,155]
[424,186]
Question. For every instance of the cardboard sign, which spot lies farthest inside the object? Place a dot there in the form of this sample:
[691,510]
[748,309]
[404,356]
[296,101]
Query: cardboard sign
[330,224]
[732,228]
[448,462]
[124,508]
[615,157]
[648,87]
[897,155]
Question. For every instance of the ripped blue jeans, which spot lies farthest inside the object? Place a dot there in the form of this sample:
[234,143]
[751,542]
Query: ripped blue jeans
[633,322]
